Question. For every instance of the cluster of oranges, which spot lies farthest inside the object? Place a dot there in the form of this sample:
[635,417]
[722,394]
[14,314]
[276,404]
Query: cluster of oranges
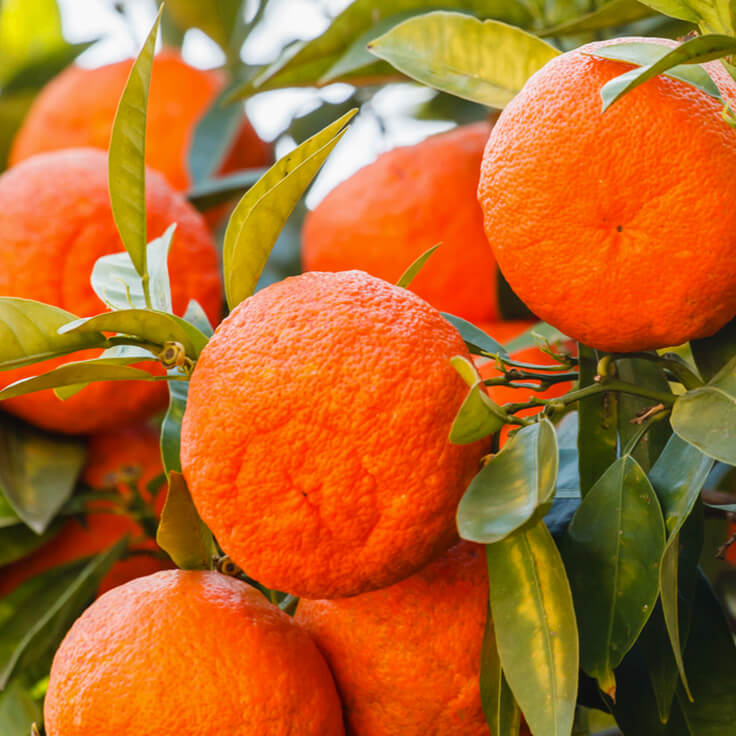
[315,439]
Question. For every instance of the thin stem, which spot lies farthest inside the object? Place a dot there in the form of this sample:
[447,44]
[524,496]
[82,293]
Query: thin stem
[642,430]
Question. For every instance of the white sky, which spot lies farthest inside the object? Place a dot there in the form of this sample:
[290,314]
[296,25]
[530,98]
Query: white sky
[270,112]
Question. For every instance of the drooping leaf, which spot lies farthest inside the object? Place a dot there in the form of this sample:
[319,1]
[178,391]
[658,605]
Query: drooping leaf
[695,51]
[706,417]
[513,487]
[208,194]
[612,551]
[410,274]
[35,617]
[483,61]
[127,156]
[613,13]
[257,220]
[181,533]
[28,333]
[535,627]
[38,470]
[19,541]
[117,283]
[476,340]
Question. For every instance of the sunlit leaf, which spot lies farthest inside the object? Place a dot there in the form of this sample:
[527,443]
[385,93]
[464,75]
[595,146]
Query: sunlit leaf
[216,18]
[410,274]
[257,220]
[514,486]
[127,154]
[704,13]
[612,551]
[535,627]
[613,13]
[484,61]
[478,417]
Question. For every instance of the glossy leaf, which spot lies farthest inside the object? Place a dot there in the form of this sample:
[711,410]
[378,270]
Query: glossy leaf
[535,627]
[695,51]
[410,274]
[483,61]
[38,470]
[613,13]
[260,215]
[499,706]
[476,340]
[127,154]
[18,541]
[208,194]
[597,420]
[612,551]
[35,617]
[117,283]
[145,324]
[307,62]
[181,533]
[512,487]
[706,417]
[478,417]
[28,333]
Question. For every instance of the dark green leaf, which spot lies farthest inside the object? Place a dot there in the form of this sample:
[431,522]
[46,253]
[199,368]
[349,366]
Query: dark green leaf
[35,617]
[597,419]
[612,550]
[38,470]
[712,353]
[410,274]
[18,710]
[535,627]
[18,541]
[613,13]
[510,307]
[257,220]
[127,154]
[514,486]
[483,61]
[209,194]
[171,426]
[181,533]
[29,333]
[476,340]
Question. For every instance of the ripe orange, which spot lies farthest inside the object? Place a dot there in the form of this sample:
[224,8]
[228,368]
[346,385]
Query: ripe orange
[115,459]
[189,653]
[315,439]
[77,108]
[618,227]
[55,222]
[387,214]
[406,659]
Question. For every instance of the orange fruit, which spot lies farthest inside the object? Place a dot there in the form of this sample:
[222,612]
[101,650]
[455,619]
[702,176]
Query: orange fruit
[315,438]
[390,212]
[77,108]
[616,227]
[406,659]
[55,222]
[190,653]
[115,459]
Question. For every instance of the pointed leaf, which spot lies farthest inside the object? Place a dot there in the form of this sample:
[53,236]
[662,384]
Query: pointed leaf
[127,155]
[181,533]
[483,61]
[478,417]
[260,215]
[512,487]
[535,627]
[476,340]
[410,274]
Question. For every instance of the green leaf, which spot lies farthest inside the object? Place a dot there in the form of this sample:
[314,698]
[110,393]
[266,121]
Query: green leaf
[612,551]
[18,710]
[144,324]
[35,617]
[539,333]
[117,283]
[307,62]
[478,417]
[216,18]
[18,541]
[512,488]
[127,156]
[597,418]
[678,476]
[510,307]
[712,353]
[535,627]
[410,274]
[28,333]
[483,61]
[38,470]
[257,220]
[181,533]
[706,417]
[614,13]
[208,194]
[706,14]
[476,340]
[499,706]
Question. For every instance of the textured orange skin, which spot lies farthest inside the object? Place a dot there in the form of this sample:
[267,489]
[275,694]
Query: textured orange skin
[190,653]
[77,108]
[55,222]
[111,455]
[390,212]
[315,439]
[618,227]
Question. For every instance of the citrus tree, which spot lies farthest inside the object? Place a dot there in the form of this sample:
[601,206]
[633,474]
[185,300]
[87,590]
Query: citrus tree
[599,508]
